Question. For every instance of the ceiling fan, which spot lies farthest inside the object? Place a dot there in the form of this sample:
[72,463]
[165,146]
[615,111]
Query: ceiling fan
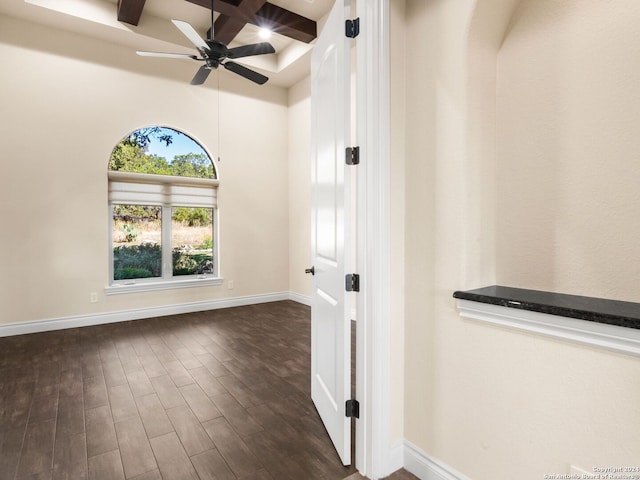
[214,54]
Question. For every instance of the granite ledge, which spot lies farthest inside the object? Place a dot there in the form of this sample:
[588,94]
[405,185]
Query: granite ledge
[600,310]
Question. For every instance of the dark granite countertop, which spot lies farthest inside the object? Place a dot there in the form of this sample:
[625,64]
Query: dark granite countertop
[612,312]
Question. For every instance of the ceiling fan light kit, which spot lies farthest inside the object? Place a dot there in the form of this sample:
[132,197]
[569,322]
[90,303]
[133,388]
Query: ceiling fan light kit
[265,33]
[214,54]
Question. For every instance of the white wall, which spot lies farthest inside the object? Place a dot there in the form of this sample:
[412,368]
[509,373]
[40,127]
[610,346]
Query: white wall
[66,101]
[488,402]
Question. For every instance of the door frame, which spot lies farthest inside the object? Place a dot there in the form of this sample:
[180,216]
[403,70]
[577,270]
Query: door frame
[374,456]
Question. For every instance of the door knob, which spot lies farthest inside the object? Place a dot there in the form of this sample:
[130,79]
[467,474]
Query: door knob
[311,270]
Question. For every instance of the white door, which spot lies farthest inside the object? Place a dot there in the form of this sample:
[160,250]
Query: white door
[330,322]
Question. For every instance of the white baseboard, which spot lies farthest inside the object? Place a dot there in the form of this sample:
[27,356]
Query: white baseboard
[61,323]
[426,467]
[303,299]
[395,458]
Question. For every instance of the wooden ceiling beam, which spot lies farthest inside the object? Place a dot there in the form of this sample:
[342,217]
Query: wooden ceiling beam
[227,27]
[130,11]
[271,16]
[225,7]
[286,23]
[248,8]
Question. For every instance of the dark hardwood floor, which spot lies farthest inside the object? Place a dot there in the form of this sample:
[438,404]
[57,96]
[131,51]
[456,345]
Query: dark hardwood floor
[221,394]
[213,395]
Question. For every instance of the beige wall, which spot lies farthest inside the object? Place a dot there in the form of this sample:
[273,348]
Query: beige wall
[434,95]
[486,133]
[66,101]
[397,142]
[568,148]
[300,187]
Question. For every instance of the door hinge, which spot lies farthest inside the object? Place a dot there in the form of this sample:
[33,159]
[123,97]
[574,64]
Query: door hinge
[352,282]
[352,28]
[353,155]
[352,409]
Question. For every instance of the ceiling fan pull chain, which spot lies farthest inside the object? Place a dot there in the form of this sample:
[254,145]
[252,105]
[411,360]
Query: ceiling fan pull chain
[218,117]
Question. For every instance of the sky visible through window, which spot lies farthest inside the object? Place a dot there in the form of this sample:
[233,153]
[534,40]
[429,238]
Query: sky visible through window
[146,151]
[181,145]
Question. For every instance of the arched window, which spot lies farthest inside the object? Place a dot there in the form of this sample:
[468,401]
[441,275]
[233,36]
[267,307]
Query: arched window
[163,208]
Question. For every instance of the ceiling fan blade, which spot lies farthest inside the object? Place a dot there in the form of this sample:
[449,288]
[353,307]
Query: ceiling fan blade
[189,32]
[166,55]
[246,73]
[250,50]
[201,75]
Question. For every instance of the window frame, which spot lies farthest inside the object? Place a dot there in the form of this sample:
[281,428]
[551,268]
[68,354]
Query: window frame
[167,280]
[167,183]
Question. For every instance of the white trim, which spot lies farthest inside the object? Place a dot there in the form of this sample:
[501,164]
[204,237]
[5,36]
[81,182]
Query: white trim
[303,299]
[609,337]
[396,456]
[373,448]
[137,314]
[426,467]
[150,286]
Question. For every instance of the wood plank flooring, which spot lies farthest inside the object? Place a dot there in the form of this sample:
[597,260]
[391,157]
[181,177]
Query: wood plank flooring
[213,395]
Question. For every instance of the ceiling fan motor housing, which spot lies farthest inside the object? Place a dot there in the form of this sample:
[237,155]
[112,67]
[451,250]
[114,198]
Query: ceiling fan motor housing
[217,49]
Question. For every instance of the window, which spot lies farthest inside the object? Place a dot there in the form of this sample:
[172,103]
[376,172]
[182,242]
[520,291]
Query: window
[163,210]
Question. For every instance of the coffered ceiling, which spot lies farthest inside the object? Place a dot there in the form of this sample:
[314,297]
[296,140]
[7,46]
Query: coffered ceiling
[146,25]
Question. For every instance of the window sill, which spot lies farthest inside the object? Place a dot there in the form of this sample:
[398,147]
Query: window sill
[607,324]
[120,288]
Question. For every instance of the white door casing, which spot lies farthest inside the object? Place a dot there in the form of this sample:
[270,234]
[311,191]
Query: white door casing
[376,456]
[330,229]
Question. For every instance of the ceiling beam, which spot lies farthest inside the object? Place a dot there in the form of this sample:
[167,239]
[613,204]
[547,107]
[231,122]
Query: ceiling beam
[225,7]
[130,11]
[227,27]
[271,16]
[286,23]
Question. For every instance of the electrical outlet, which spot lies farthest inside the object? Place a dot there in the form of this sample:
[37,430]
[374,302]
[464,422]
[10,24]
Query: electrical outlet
[93,297]
[230,284]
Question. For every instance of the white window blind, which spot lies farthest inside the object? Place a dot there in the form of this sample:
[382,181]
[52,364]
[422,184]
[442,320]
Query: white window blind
[164,190]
